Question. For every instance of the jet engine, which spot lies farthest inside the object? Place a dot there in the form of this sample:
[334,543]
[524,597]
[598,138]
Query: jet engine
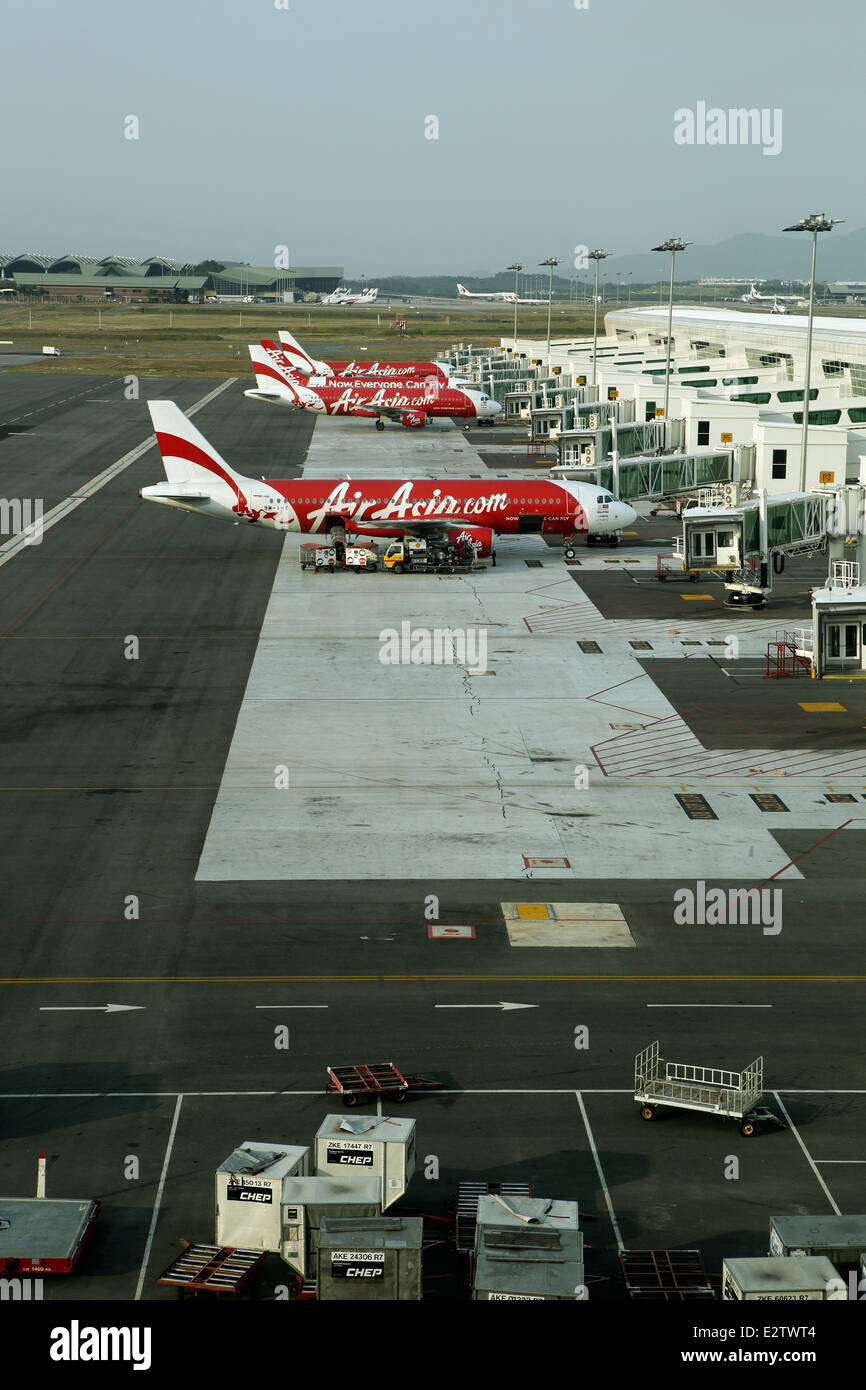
[413,419]
[480,538]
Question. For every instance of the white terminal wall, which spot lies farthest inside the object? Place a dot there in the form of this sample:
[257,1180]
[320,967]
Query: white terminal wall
[827,450]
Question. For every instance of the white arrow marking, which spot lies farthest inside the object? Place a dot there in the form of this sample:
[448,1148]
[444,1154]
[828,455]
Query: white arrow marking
[500,1005]
[291,1006]
[89,1008]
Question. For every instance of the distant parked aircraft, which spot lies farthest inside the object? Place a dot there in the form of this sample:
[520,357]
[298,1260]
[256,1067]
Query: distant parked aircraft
[503,296]
[345,296]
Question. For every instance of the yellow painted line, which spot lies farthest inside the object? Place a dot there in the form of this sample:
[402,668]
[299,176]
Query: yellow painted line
[529,912]
[420,978]
[690,598]
[828,708]
[629,533]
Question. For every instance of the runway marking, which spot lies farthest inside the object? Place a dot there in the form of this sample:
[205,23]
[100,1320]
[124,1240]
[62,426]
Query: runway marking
[798,857]
[444,1091]
[20,542]
[69,568]
[796,1133]
[155,1216]
[598,1168]
[709,1006]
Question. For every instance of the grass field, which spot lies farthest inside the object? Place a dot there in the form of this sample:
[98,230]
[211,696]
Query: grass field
[198,340]
[193,340]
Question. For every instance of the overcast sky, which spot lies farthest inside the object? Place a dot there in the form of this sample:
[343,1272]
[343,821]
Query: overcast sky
[307,127]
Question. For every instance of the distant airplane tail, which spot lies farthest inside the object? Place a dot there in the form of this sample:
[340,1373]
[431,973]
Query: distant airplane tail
[194,470]
[277,380]
[369,295]
[300,359]
[461,289]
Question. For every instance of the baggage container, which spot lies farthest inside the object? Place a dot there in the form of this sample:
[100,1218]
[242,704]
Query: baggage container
[307,1202]
[841,1238]
[810,1278]
[373,1146]
[248,1193]
[375,1260]
[527,1249]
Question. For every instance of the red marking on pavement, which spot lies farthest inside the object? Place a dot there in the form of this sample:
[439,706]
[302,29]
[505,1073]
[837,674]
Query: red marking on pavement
[83,556]
[822,841]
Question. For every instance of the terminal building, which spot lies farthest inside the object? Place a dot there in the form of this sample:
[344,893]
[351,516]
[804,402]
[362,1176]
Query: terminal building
[159,279]
[761,340]
[726,458]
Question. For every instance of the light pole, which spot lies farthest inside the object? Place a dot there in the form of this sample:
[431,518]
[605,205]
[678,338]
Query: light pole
[673,244]
[595,256]
[550,263]
[517,267]
[631,272]
[816,222]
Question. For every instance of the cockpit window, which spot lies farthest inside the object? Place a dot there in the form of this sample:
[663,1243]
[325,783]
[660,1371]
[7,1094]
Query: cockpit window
[604,497]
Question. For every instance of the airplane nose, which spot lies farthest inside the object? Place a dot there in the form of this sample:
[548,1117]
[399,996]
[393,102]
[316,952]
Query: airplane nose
[626,514]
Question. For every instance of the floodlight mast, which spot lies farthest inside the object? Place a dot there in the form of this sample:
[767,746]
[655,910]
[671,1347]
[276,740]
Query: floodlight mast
[816,222]
[550,263]
[516,267]
[595,256]
[673,244]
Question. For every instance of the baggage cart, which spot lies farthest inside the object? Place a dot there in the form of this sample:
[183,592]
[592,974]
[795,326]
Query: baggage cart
[216,1269]
[660,1085]
[375,1080]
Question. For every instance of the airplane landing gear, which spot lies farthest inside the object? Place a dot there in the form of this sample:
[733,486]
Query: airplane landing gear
[380,424]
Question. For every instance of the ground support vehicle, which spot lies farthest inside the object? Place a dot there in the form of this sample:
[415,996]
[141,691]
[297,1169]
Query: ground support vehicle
[318,556]
[429,556]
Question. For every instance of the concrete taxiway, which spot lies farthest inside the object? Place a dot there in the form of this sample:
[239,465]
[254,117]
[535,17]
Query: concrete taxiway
[150,861]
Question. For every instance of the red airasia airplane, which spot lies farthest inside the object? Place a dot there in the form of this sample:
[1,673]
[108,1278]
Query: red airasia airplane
[410,403]
[313,366]
[460,509]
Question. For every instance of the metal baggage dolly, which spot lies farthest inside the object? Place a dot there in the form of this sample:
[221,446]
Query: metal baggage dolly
[660,1085]
[375,1080]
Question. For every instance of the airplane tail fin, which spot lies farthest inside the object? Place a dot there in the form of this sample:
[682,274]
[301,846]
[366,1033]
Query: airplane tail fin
[296,355]
[461,289]
[275,374]
[193,467]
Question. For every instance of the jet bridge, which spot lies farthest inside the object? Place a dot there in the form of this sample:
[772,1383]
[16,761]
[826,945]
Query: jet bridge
[653,477]
[747,538]
[636,442]
[838,638]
